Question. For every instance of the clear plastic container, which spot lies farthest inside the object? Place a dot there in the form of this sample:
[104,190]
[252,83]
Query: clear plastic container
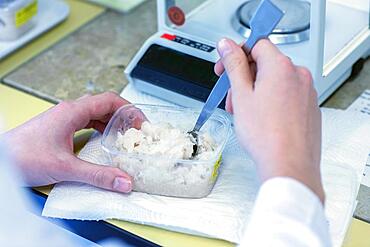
[159,174]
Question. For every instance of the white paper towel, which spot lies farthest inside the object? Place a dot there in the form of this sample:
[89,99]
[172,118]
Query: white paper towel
[225,212]
[362,105]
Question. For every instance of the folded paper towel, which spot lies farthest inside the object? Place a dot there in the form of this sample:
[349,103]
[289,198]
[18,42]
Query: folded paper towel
[225,212]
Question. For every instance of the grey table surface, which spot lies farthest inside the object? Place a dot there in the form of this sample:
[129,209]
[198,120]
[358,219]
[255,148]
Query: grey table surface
[92,60]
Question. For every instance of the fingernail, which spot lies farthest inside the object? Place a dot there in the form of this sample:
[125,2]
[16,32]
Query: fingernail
[122,185]
[223,47]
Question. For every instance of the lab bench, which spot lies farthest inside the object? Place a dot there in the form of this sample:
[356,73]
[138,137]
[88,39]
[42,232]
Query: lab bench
[77,58]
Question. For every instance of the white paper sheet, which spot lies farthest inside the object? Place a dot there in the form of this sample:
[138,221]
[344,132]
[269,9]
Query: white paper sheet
[362,105]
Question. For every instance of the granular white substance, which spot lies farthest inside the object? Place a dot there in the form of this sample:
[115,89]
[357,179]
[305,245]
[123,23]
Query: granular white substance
[159,158]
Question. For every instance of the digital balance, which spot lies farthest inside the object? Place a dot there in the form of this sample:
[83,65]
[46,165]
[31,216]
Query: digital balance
[176,63]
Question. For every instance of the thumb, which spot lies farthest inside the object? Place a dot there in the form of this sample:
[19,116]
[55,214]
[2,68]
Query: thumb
[105,177]
[237,68]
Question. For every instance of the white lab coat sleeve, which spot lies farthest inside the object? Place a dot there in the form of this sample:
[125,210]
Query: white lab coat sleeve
[287,213]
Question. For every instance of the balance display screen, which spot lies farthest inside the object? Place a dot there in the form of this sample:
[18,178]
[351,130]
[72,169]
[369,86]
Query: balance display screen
[179,65]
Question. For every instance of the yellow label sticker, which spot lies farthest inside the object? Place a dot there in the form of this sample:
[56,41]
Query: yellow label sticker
[25,14]
[215,168]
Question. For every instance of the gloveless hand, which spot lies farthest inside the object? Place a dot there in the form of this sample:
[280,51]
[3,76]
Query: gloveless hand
[276,113]
[43,146]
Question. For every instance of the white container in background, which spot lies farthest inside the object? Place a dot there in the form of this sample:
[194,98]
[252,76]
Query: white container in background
[16,18]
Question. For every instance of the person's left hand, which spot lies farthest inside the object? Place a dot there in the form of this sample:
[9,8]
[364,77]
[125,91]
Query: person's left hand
[43,146]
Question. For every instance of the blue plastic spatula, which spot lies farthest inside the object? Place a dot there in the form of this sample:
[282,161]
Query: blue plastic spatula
[264,20]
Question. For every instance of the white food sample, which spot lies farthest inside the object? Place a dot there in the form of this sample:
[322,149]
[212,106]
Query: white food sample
[159,158]
[164,139]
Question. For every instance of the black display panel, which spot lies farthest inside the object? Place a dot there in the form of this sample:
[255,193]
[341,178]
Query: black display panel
[177,72]
[182,66]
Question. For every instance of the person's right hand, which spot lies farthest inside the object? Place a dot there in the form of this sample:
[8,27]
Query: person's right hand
[277,118]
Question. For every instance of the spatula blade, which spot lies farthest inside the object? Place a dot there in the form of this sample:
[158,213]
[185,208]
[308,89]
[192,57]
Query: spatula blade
[266,17]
